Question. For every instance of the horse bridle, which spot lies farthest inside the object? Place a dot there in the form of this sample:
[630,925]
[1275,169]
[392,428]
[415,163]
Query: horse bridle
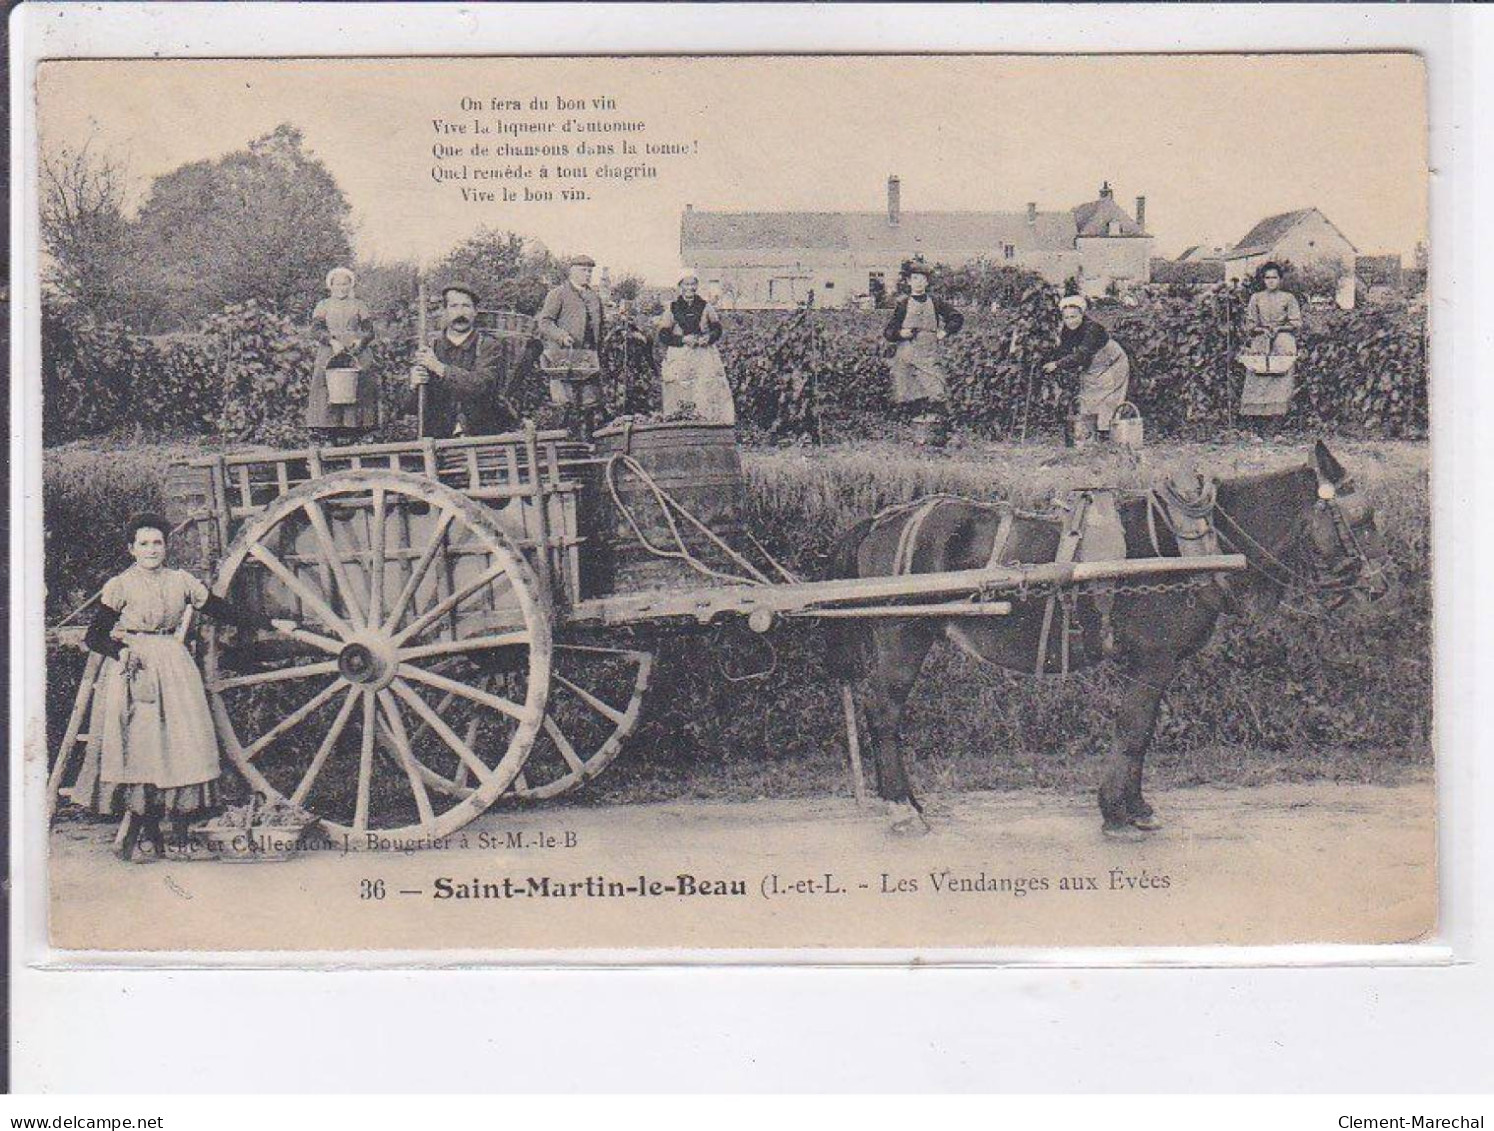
[1353,565]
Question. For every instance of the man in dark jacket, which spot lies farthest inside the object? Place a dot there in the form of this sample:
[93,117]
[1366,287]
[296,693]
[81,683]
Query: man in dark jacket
[463,373]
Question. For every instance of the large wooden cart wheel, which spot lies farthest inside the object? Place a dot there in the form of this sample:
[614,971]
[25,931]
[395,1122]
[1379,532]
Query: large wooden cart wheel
[595,704]
[415,687]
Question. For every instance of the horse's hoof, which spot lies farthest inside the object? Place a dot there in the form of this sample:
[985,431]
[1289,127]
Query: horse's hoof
[1146,822]
[909,823]
[1127,833]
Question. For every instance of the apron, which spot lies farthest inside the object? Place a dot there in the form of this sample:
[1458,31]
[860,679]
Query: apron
[696,377]
[1102,388]
[916,372]
[1270,394]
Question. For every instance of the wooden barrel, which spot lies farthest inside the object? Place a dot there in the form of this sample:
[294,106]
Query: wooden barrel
[696,464]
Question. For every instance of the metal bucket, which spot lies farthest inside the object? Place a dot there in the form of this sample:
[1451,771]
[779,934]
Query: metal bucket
[696,464]
[342,386]
[1127,427]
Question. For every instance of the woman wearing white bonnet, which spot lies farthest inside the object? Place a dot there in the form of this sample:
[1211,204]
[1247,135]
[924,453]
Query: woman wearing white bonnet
[694,377]
[344,328]
[1086,348]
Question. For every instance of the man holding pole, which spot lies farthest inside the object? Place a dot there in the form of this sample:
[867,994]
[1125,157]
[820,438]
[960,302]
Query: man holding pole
[458,378]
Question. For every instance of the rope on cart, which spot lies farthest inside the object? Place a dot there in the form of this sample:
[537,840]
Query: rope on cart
[669,506]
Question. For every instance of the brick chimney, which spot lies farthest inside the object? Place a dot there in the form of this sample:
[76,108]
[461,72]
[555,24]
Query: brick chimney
[1106,192]
[894,200]
[1032,212]
[1141,212]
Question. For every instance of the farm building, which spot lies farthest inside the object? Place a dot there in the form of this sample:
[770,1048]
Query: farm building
[1304,237]
[759,260]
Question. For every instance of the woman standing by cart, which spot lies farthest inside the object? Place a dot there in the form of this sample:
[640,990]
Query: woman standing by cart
[1086,348]
[693,373]
[154,754]
[343,401]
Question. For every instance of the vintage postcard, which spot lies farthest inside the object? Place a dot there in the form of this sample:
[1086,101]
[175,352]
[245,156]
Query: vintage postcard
[935,503]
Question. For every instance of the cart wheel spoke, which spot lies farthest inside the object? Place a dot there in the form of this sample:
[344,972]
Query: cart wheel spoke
[334,732]
[422,567]
[498,572]
[578,740]
[465,645]
[563,744]
[601,708]
[319,608]
[275,675]
[441,683]
[334,560]
[292,720]
[471,763]
[377,549]
[406,753]
[365,764]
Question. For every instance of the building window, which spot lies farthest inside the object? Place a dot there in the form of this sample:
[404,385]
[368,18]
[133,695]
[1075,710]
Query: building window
[1009,251]
[829,284]
[1113,228]
[783,289]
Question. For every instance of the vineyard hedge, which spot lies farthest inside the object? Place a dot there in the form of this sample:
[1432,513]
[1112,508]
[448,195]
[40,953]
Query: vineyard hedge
[804,373]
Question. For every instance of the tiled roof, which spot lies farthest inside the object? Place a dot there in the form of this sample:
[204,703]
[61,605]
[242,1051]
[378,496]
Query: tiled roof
[1268,233]
[731,230]
[1094,218]
[931,232]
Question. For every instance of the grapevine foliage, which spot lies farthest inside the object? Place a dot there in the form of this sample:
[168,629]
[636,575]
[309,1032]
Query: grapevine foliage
[795,374]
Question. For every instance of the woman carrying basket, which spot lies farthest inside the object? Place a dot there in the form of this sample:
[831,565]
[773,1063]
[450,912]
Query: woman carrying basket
[1273,318]
[153,754]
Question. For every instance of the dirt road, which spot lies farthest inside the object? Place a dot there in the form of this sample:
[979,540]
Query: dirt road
[1291,863]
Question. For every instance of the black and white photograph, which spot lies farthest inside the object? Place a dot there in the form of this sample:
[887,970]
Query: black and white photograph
[787,503]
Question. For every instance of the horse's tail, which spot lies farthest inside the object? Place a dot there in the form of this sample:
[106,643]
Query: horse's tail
[848,642]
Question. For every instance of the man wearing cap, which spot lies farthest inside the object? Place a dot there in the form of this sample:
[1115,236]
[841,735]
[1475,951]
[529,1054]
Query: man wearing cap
[462,372]
[570,322]
[918,324]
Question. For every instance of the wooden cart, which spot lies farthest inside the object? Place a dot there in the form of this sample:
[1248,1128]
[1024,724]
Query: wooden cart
[470,625]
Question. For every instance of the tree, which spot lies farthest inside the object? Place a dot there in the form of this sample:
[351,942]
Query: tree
[266,222]
[92,257]
[627,288]
[510,272]
[982,282]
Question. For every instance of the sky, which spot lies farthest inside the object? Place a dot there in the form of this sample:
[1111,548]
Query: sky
[1215,143]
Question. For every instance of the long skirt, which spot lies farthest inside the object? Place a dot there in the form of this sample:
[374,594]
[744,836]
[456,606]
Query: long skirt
[696,377]
[152,748]
[917,374]
[321,413]
[1270,394]
[1102,388]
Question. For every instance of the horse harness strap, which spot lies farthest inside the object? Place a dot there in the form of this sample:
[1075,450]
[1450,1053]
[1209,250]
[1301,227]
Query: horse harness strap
[1069,538]
[907,542]
[1187,506]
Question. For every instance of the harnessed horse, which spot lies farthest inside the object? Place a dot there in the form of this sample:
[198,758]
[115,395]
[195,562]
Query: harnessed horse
[1305,529]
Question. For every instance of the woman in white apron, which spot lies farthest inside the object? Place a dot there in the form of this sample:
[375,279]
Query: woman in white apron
[153,750]
[918,324]
[1272,321]
[1086,348]
[693,376]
